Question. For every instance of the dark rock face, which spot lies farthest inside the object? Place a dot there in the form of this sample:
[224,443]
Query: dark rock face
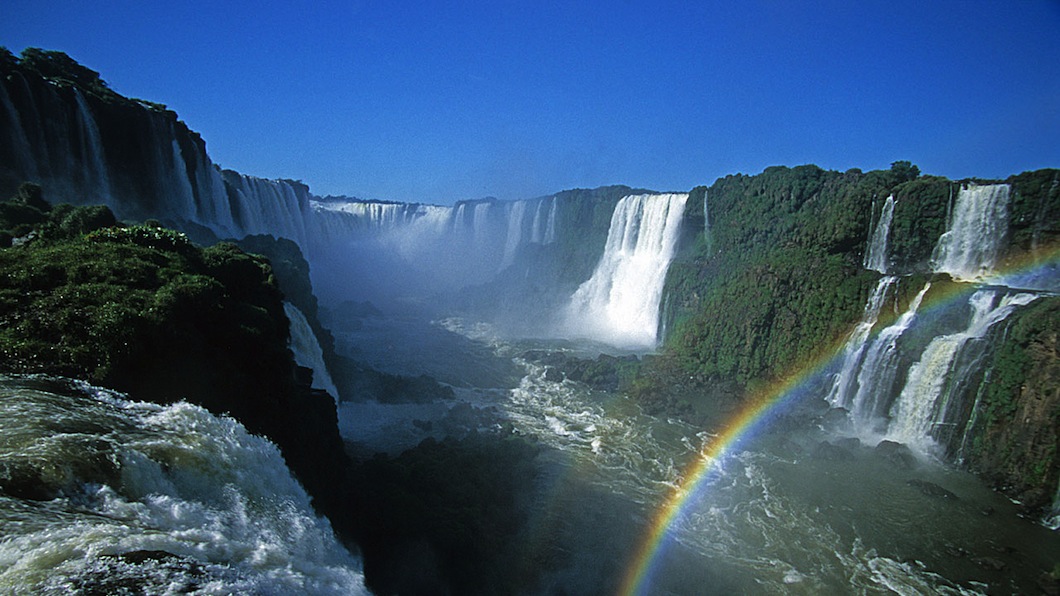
[826,451]
[606,372]
[144,311]
[1016,440]
[897,454]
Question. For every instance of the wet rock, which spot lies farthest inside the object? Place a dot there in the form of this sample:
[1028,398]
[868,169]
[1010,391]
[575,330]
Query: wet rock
[141,572]
[989,563]
[897,454]
[932,490]
[785,447]
[956,551]
[25,482]
[850,443]
[1049,583]
[604,373]
[81,460]
[553,375]
[836,419]
[828,452]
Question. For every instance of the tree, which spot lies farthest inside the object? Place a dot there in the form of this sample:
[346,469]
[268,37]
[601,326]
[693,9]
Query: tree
[904,171]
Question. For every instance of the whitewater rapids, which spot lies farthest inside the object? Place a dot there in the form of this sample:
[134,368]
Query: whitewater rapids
[100,494]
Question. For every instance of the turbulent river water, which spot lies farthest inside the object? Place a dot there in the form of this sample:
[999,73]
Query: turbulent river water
[780,515]
[102,495]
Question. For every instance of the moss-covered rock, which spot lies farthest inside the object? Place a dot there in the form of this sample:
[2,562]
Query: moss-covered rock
[1016,437]
[142,310]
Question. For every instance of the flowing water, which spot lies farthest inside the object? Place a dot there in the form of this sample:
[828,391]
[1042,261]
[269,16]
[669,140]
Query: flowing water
[780,516]
[307,351]
[876,257]
[102,495]
[619,304]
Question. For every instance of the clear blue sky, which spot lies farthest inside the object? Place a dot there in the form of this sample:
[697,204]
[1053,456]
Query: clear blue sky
[440,101]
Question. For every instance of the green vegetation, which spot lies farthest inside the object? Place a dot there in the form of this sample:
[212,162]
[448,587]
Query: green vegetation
[116,302]
[142,310]
[1035,209]
[1015,438]
[920,216]
[776,277]
[61,68]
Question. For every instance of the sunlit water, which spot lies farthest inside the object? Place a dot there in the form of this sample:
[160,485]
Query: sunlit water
[774,519]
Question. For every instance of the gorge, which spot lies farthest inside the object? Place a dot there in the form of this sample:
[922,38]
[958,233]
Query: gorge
[778,383]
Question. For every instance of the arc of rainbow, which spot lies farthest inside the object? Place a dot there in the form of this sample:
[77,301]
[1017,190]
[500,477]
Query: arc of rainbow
[756,415]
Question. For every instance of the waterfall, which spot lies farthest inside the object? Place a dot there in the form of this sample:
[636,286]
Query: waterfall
[17,140]
[932,381]
[969,248]
[515,233]
[92,151]
[1052,521]
[307,350]
[879,368]
[550,227]
[854,350]
[537,234]
[480,225]
[876,257]
[619,304]
[707,234]
[273,207]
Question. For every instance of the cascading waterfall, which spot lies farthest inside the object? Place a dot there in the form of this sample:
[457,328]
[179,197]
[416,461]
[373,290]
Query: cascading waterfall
[543,230]
[17,140]
[969,248]
[876,257]
[480,228]
[708,233]
[1052,521]
[274,207]
[869,400]
[619,304]
[92,151]
[307,350]
[933,380]
[846,381]
[550,227]
[515,232]
[854,350]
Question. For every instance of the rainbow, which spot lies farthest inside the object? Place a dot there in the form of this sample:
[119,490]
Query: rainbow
[761,408]
[756,415]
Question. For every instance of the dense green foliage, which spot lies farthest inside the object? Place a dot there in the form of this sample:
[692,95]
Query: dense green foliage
[142,310]
[772,272]
[771,277]
[920,216]
[60,67]
[106,305]
[1035,209]
[1024,387]
[775,277]
[28,216]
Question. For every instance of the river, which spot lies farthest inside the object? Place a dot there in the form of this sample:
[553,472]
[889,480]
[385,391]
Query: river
[803,506]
